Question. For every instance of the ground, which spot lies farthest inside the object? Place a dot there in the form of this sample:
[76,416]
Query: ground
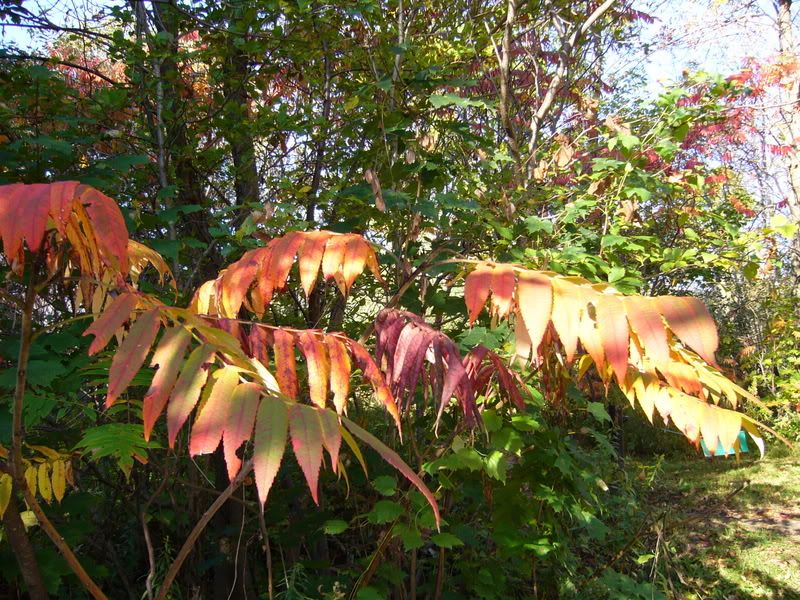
[726,530]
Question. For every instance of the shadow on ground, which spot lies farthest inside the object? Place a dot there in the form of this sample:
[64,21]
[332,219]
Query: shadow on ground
[728,531]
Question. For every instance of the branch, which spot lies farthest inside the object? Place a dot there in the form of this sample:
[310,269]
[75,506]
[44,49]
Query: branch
[57,61]
[17,436]
[188,545]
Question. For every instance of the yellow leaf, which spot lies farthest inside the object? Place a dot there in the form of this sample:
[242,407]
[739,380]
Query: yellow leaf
[30,479]
[59,479]
[45,489]
[5,492]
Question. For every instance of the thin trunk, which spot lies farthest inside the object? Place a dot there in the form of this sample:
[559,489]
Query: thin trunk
[23,552]
[791,125]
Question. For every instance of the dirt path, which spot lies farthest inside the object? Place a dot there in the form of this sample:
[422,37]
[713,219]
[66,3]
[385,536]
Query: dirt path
[730,531]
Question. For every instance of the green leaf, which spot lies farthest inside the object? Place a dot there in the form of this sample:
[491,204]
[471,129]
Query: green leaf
[446,540]
[598,411]
[615,274]
[334,527]
[535,224]
[409,535]
[385,484]
[384,511]
[440,100]
[272,425]
[497,465]
[491,420]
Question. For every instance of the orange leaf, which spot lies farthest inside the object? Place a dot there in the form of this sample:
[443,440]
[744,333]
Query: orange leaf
[340,371]
[234,283]
[589,336]
[285,363]
[690,320]
[476,290]
[239,425]
[355,259]
[311,257]
[333,258]
[168,357]
[282,259]
[614,333]
[113,317]
[209,424]
[648,326]
[318,365]
[535,304]
[569,303]
[131,354]
[269,443]
[503,284]
[306,433]
[187,390]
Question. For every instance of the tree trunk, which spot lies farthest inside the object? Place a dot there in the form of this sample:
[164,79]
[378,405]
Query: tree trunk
[23,552]
[790,117]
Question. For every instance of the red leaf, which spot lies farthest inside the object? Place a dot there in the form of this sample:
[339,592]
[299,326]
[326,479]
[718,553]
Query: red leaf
[269,443]
[285,363]
[476,290]
[690,320]
[393,459]
[168,357]
[455,377]
[373,374]
[306,433]
[131,354]
[113,317]
[109,227]
[239,426]
[331,436]
[318,364]
[409,360]
[340,371]
[210,423]
[187,390]
[258,341]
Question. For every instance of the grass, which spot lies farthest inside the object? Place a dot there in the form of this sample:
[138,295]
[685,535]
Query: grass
[726,530]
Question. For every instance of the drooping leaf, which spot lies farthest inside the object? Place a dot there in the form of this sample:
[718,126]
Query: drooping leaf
[569,302]
[168,357]
[306,434]
[210,423]
[612,324]
[311,259]
[391,457]
[244,402]
[647,324]
[331,435]
[269,443]
[503,285]
[318,364]
[112,319]
[187,389]
[340,371]
[285,363]
[476,289]
[58,479]
[690,320]
[131,354]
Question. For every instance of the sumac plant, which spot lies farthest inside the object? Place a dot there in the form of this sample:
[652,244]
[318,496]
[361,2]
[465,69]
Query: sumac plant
[229,377]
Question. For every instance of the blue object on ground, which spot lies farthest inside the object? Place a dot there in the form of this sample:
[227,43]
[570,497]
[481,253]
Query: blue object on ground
[723,451]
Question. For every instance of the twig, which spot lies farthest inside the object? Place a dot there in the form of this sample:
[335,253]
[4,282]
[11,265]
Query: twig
[198,529]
